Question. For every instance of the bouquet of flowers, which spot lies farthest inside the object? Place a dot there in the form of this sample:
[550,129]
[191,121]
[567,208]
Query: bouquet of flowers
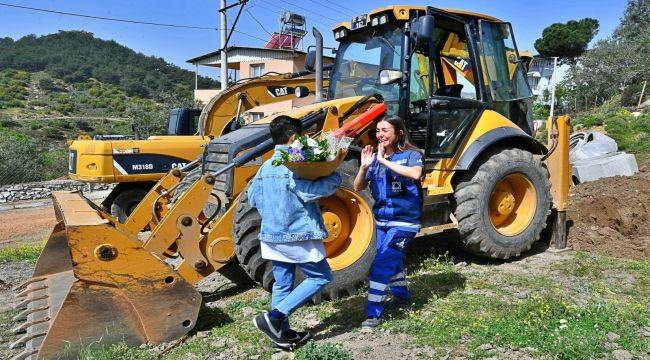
[312,158]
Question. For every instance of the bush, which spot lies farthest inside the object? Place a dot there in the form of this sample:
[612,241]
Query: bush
[631,133]
[47,84]
[541,111]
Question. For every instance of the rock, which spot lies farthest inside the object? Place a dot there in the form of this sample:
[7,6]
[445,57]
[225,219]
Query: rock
[521,295]
[611,345]
[143,346]
[486,347]
[613,337]
[219,342]
[202,334]
[461,264]
[248,311]
[282,356]
[254,357]
[622,355]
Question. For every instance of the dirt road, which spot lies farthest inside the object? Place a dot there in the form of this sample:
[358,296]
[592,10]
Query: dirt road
[26,225]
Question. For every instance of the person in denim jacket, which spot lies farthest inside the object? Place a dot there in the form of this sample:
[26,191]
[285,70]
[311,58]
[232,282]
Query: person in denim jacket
[291,235]
[393,175]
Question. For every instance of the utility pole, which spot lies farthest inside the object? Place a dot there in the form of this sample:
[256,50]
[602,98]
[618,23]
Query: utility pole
[224,56]
[553,81]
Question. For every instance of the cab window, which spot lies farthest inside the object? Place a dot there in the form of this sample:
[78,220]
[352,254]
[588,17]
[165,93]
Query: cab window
[504,70]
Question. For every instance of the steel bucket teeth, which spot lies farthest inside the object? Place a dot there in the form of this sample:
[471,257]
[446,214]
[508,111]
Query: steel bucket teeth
[96,284]
[23,304]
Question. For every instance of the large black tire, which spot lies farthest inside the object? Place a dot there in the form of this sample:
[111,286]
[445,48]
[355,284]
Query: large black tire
[472,200]
[188,180]
[125,202]
[246,228]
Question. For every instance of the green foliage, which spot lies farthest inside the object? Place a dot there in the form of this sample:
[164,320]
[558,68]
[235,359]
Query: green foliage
[22,252]
[119,351]
[77,56]
[541,111]
[616,66]
[567,41]
[632,133]
[321,351]
[13,88]
[18,158]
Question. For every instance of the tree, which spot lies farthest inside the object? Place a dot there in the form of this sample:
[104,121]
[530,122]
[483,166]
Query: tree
[635,21]
[617,65]
[567,41]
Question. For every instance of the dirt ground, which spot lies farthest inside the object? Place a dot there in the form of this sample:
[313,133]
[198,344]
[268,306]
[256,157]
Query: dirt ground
[610,216]
[26,225]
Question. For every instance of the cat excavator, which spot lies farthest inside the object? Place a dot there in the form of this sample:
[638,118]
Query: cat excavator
[136,164]
[454,76]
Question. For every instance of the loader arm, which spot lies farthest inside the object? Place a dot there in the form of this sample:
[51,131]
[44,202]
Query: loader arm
[97,282]
[268,89]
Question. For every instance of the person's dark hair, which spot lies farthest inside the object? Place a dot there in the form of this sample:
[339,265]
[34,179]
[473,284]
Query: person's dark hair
[403,142]
[282,127]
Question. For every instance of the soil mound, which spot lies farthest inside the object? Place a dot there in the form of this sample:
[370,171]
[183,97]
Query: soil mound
[610,216]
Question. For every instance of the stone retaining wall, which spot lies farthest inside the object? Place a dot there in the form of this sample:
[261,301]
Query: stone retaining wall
[43,190]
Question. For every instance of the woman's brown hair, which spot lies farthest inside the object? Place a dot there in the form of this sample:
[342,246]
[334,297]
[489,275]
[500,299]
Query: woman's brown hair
[403,142]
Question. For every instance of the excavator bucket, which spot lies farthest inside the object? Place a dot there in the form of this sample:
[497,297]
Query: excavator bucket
[95,284]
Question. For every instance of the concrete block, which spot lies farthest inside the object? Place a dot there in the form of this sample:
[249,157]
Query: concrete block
[618,164]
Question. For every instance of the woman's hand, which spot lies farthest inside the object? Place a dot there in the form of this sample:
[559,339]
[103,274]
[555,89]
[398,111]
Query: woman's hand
[381,154]
[367,156]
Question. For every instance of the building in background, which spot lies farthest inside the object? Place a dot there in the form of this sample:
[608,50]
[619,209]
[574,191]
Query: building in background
[249,62]
[540,72]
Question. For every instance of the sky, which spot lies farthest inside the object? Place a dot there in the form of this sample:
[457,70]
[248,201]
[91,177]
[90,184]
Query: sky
[177,45]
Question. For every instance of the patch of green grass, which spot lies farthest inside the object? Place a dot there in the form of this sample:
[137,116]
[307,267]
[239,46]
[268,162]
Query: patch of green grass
[321,351]
[119,351]
[594,267]
[198,347]
[553,320]
[22,251]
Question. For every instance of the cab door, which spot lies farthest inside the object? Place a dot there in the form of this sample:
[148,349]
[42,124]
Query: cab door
[455,104]
[504,71]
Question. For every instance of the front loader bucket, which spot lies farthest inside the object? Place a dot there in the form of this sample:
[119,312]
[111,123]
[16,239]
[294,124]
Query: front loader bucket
[95,284]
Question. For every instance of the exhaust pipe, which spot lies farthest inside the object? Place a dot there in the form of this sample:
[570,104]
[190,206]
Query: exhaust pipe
[319,65]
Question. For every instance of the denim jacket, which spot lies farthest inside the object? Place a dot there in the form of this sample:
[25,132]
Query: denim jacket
[288,205]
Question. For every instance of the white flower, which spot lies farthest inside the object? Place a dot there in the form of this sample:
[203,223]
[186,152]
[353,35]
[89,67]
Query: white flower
[296,144]
[331,157]
[318,151]
[311,142]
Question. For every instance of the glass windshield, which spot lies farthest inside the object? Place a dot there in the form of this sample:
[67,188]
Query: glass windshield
[359,60]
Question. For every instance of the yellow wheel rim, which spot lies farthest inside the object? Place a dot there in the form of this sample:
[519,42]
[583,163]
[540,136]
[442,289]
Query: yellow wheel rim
[512,204]
[349,225]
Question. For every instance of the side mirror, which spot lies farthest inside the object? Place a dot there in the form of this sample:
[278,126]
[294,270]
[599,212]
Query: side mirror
[310,61]
[423,30]
[302,91]
[388,76]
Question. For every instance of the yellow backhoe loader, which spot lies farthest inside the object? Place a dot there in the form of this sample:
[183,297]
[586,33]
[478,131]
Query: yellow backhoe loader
[455,76]
[135,165]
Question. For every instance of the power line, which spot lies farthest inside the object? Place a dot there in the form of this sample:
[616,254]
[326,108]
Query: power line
[349,12]
[305,9]
[257,3]
[124,20]
[258,22]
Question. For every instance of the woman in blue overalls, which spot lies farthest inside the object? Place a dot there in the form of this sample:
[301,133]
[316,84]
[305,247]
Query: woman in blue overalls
[393,175]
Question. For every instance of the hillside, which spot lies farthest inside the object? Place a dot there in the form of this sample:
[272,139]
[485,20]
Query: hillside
[54,87]
[77,56]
